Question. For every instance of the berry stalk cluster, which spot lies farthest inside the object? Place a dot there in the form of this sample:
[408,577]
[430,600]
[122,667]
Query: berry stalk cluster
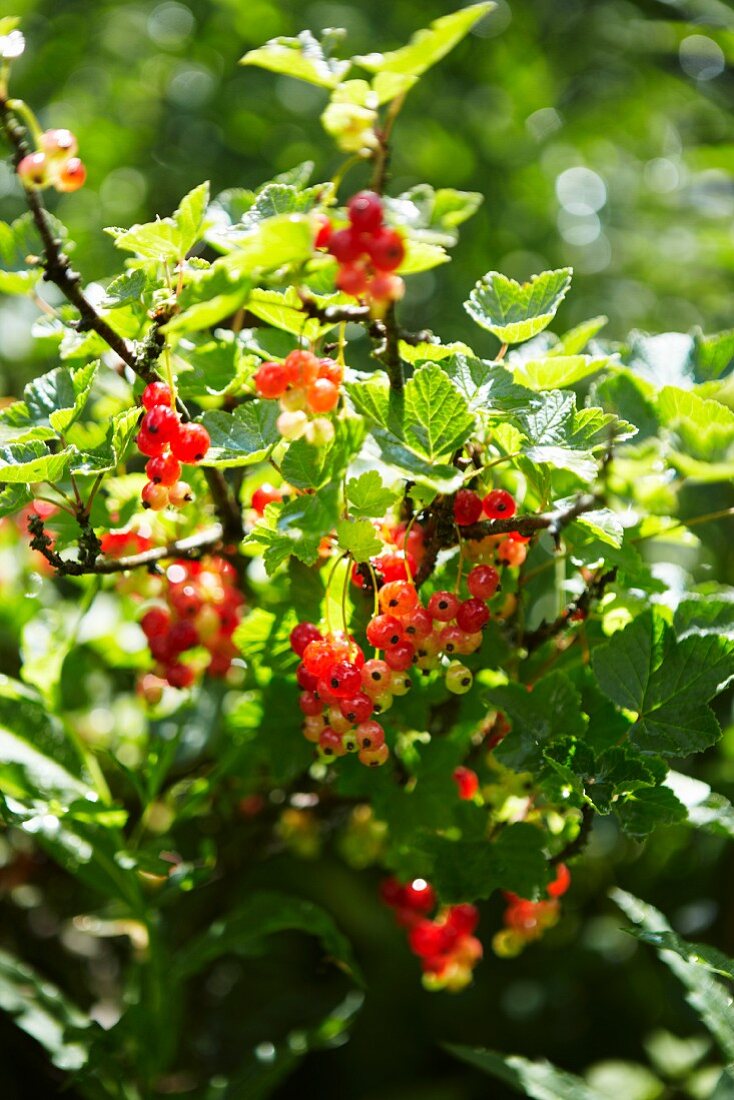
[367,251]
[53,164]
[526,921]
[167,442]
[308,389]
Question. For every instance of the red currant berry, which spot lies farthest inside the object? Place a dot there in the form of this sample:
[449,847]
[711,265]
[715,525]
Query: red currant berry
[265,494]
[499,504]
[394,567]
[419,896]
[161,422]
[418,624]
[452,638]
[185,600]
[386,249]
[163,470]
[400,656]
[322,396]
[467,507]
[310,703]
[463,919]
[343,679]
[365,211]
[352,279]
[156,393]
[459,678]
[374,758]
[324,232]
[271,380]
[472,615]
[346,246]
[183,635]
[376,676]
[330,743]
[467,781]
[179,675]
[356,708]
[306,679]
[154,496]
[331,370]
[33,171]
[384,630]
[191,443]
[150,445]
[181,493]
[428,939]
[443,606]
[301,635]
[370,735]
[71,176]
[561,882]
[391,891]
[155,622]
[398,598]
[483,581]
[58,143]
[318,657]
[301,367]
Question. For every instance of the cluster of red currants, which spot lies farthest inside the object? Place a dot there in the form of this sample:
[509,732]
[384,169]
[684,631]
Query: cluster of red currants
[199,608]
[404,551]
[445,945]
[527,920]
[167,442]
[469,508]
[307,388]
[411,634]
[53,164]
[367,251]
[340,693]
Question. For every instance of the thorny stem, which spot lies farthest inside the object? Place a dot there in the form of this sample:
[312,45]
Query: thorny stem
[58,270]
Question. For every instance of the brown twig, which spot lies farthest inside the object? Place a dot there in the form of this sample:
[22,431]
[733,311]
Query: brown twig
[594,590]
[190,547]
[58,270]
[579,842]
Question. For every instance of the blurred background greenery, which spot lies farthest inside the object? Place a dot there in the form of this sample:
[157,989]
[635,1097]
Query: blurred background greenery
[601,134]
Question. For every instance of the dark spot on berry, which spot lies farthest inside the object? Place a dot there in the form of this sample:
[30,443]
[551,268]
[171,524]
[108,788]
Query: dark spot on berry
[376,676]
[466,681]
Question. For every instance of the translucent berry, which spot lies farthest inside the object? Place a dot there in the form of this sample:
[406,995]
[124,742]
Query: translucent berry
[418,624]
[324,232]
[365,211]
[463,919]
[352,279]
[155,622]
[301,367]
[472,615]
[71,175]
[190,443]
[183,635]
[357,708]
[331,370]
[370,735]
[419,896]
[467,507]
[330,743]
[265,494]
[374,758]
[292,425]
[156,393]
[443,606]
[180,493]
[322,396]
[467,781]
[427,938]
[401,683]
[154,496]
[310,703]
[561,882]
[336,720]
[161,422]
[301,635]
[376,676]
[349,741]
[452,638]
[499,504]
[458,678]
[382,701]
[271,380]
[58,143]
[400,657]
[150,445]
[318,657]
[180,675]
[346,246]
[386,249]
[320,432]
[33,171]
[398,598]
[483,581]
[383,631]
[343,679]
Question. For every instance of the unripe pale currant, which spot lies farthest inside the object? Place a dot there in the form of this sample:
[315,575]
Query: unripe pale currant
[459,678]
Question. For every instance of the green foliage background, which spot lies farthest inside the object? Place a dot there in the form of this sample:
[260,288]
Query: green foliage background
[157,100]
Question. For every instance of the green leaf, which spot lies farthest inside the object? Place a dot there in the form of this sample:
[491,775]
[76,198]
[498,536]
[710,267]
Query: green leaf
[242,437]
[42,1011]
[305,58]
[245,929]
[603,523]
[515,312]
[436,418]
[159,240]
[700,954]
[644,810]
[59,397]
[487,386]
[296,527]
[24,713]
[190,216]
[368,496]
[706,809]
[426,47]
[465,870]
[539,1080]
[283,309]
[714,354]
[704,429]
[551,710]
[705,614]
[125,289]
[31,462]
[16,276]
[556,371]
[358,538]
[665,682]
[13,498]
[576,339]
[708,997]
